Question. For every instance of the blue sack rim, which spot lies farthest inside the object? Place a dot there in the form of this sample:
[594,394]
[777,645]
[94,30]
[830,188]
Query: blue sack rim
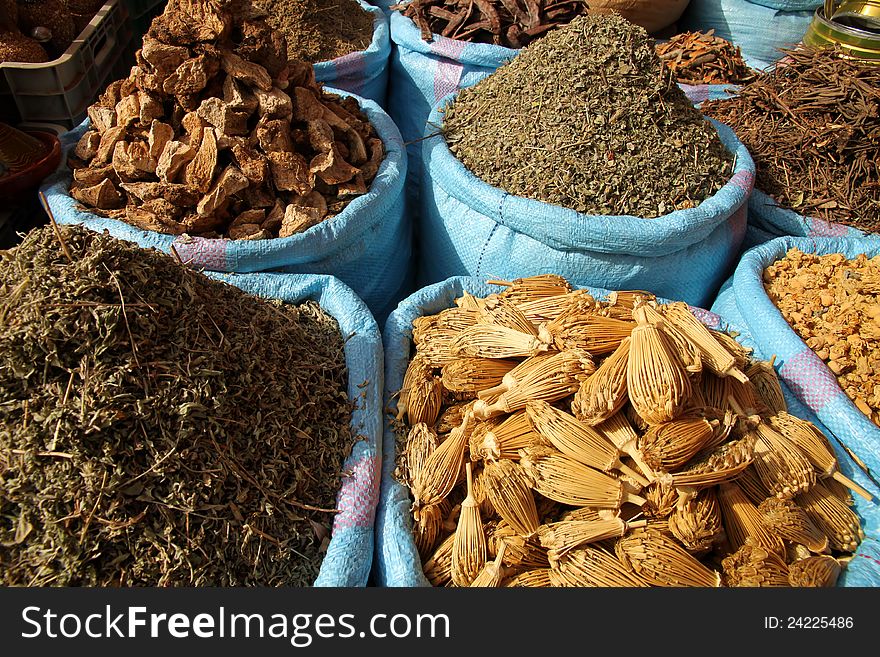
[574,231]
[318,242]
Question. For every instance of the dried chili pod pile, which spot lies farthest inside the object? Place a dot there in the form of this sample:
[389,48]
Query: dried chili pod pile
[704,58]
[812,125]
[508,23]
[833,304]
[551,439]
[587,118]
[217,134]
[158,427]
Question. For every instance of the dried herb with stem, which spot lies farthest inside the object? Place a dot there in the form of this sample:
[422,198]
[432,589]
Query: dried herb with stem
[158,427]
[812,126]
[588,119]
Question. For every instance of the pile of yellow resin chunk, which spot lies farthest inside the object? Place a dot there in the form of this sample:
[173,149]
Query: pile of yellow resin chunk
[833,304]
[549,438]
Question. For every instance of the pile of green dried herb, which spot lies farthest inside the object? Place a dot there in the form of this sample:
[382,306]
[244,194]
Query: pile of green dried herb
[158,427]
[588,118]
[812,125]
[320,30]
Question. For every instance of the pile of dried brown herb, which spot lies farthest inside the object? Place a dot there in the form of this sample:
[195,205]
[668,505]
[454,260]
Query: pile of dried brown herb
[320,30]
[509,23]
[216,133]
[158,427]
[704,58]
[812,125]
[588,118]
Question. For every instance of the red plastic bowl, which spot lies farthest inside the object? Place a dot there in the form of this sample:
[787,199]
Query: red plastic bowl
[14,186]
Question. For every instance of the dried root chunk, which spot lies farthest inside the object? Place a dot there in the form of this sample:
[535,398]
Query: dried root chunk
[87,146]
[175,156]
[103,195]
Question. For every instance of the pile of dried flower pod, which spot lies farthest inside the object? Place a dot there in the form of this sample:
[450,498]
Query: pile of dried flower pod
[215,133]
[552,439]
[509,23]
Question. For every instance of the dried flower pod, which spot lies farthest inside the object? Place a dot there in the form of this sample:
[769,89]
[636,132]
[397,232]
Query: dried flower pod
[547,309]
[438,569]
[815,447]
[451,417]
[594,567]
[469,543]
[512,378]
[566,480]
[427,527]
[503,312]
[503,438]
[670,445]
[697,522]
[620,432]
[521,551]
[532,288]
[661,499]
[588,331]
[786,519]
[715,355]
[510,492]
[743,355]
[752,485]
[534,578]
[717,465]
[421,441]
[577,440]
[481,494]
[814,571]
[421,394]
[603,394]
[763,375]
[657,384]
[554,378]
[742,520]
[660,561]
[715,390]
[492,341]
[688,355]
[493,572]
[782,467]
[832,517]
[753,565]
[470,375]
[560,537]
[443,468]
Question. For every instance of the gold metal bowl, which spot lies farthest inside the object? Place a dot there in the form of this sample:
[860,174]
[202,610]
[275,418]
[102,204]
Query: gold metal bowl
[854,26]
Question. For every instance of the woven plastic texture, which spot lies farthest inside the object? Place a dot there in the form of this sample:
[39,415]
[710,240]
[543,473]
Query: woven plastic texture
[469,228]
[769,216]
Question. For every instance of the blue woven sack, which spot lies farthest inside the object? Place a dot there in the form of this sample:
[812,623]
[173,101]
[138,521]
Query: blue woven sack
[765,213]
[790,5]
[349,556]
[812,391]
[759,31]
[469,228]
[367,245]
[422,73]
[363,73]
